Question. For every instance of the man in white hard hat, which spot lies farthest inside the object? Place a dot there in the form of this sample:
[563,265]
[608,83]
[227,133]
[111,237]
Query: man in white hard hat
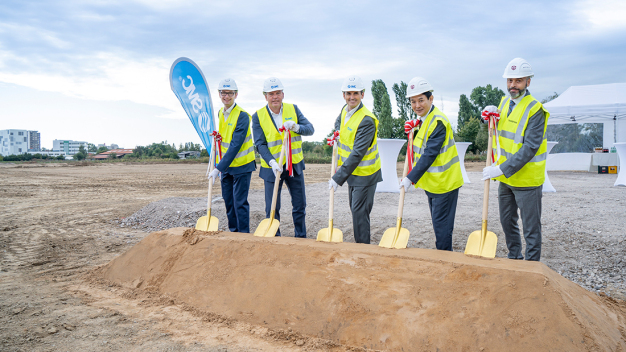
[266,123]
[237,161]
[359,162]
[436,166]
[521,164]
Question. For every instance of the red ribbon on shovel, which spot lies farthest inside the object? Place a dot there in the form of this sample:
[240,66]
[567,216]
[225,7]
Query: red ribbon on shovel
[495,118]
[333,139]
[289,156]
[217,142]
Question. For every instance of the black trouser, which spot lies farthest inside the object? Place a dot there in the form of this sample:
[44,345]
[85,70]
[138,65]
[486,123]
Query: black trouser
[235,193]
[361,199]
[442,211]
[528,201]
[295,185]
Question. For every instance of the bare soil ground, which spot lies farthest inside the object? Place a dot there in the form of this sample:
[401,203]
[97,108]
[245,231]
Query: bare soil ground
[58,223]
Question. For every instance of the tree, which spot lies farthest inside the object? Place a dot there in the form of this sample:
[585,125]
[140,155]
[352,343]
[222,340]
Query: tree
[468,133]
[60,157]
[102,150]
[479,98]
[467,110]
[81,155]
[405,112]
[382,109]
[112,156]
[469,127]
[91,148]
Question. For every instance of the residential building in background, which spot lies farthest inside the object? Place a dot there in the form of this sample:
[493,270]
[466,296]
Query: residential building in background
[34,141]
[69,147]
[14,142]
[112,146]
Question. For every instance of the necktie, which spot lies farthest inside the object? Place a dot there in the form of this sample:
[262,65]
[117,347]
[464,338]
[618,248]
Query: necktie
[511,106]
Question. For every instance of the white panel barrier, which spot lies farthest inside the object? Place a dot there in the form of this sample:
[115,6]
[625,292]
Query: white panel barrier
[569,162]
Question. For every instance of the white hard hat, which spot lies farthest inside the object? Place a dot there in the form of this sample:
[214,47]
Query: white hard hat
[417,86]
[271,84]
[518,68]
[227,84]
[352,84]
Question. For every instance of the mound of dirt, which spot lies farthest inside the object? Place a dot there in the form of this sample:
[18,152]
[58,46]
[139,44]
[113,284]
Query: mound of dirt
[367,296]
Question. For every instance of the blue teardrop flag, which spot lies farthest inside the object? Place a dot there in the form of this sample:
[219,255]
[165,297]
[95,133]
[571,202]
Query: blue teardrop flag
[189,85]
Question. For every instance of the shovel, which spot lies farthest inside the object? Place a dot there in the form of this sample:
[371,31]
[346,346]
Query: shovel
[268,227]
[331,234]
[208,222]
[483,243]
[398,237]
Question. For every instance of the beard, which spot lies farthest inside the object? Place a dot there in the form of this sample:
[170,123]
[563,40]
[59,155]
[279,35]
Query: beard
[518,94]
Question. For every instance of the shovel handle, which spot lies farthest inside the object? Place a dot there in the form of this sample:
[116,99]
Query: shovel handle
[277,181]
[331,205]
[211,167]
[404,173]
[486,192]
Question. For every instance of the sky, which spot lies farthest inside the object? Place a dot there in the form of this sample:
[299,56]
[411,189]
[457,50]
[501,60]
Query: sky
[97,71]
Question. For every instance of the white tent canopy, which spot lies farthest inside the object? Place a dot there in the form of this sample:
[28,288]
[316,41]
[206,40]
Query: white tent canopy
[600,103]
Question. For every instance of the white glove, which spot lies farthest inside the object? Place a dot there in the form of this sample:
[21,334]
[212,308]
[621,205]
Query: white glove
[214,174]
[406,183]
[332,184]
[290,125]
[490,109]
[492,172]
[277,169]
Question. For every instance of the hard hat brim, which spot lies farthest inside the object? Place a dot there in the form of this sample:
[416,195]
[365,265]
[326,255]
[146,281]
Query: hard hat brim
[415,94]
[272,90]
[516,76]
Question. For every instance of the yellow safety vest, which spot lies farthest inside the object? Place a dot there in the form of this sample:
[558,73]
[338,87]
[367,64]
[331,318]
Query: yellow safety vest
[444,175]
[245,154]
[275,139]
[511,129]
[371,161]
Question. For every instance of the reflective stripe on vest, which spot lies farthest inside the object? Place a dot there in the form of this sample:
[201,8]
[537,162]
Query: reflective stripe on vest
[511,130]
[444,175]
[275,139]
[227,127]
[347,133]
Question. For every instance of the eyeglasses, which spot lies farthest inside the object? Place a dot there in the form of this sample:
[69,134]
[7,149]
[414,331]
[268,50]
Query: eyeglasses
[227,94]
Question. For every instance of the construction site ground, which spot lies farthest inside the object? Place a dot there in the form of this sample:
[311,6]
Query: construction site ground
[59,222]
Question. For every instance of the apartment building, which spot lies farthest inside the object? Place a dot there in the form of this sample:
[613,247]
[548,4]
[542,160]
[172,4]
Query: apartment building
[14,142]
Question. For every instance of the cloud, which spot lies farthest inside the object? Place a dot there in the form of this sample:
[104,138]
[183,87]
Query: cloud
[606,15]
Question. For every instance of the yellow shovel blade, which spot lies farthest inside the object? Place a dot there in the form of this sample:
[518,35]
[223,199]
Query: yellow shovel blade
[325,236]
[206,224]
[392,238]
[489,247]
[267,228]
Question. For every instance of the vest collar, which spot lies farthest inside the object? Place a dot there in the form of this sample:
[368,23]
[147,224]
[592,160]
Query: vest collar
[227,112]
[349,113]
[432,108]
